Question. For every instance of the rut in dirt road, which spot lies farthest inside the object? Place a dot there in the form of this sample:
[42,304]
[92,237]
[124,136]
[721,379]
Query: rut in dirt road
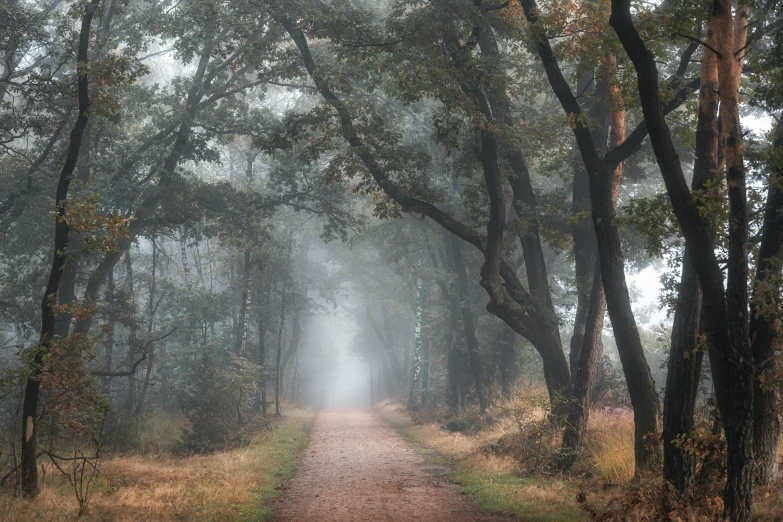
[357,468]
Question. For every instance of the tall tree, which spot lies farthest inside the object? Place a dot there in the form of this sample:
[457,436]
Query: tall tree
[29,466]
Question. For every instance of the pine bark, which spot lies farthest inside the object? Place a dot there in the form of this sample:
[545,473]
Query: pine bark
[725,313]
[731,33]
[685,359]
[764,332]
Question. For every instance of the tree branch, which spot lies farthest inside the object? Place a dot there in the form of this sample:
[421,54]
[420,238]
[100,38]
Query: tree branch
[136,364]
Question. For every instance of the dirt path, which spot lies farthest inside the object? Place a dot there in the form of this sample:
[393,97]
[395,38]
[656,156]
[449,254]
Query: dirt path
[358,468]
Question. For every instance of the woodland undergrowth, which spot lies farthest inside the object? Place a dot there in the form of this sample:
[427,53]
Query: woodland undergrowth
[504,462]
[151,479]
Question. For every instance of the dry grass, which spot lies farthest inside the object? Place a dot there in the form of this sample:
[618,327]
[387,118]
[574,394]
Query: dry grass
[493,482]
[501,483]
[233,485]
[609,454]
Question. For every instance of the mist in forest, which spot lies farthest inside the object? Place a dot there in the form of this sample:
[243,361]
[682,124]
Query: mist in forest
[541,238]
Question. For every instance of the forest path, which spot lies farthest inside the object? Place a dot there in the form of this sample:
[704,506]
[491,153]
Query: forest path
[358,468]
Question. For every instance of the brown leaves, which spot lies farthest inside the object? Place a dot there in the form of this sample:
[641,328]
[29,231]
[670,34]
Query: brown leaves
[658,502]
[102,229]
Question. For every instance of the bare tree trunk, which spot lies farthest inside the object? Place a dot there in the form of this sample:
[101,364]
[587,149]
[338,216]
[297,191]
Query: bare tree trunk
[262,324]
[417,342]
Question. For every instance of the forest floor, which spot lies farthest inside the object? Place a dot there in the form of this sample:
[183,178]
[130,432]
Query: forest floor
[357,468]
[231,486]
[495,483]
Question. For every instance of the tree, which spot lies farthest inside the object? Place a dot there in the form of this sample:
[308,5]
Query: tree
[29,464]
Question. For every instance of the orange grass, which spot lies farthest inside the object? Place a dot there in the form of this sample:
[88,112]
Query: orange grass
[227,486]
[494,483]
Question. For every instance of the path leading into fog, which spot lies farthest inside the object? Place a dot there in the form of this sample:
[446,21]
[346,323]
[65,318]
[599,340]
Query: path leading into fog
[358,468]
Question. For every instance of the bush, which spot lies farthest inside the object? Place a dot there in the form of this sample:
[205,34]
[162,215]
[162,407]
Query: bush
[215,396]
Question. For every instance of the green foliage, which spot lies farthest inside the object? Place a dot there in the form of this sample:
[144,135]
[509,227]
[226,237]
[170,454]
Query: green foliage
[215,393]
[654,219]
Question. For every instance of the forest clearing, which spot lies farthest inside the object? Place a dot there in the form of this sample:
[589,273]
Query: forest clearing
[391,259]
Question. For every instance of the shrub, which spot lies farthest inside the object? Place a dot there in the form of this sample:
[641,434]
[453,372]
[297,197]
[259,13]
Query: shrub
[215,396]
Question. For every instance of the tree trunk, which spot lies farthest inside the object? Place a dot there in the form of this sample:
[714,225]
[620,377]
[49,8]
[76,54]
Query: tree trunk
[474,356]
[506,354]
[262,323]
[585,244]
[109,343]
[763,329]
[547,329]
[280,331]
[29,448]
[150,321]
[417,342]
[685,358]
[240,343]
[130,398]
[183,254]
[731,374]
[588,355]
[731,34]
[641,387]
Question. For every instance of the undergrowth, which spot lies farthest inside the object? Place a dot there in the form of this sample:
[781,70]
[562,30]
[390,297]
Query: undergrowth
[154,481]
[502,461]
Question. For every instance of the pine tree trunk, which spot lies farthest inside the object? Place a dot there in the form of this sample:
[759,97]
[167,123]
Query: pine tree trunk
[731,35]
[685,358]
[763,329]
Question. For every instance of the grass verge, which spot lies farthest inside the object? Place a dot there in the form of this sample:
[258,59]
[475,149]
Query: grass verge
[232,486]
[493,483]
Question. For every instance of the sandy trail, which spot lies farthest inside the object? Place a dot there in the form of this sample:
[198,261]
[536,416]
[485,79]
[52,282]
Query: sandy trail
[357,468]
